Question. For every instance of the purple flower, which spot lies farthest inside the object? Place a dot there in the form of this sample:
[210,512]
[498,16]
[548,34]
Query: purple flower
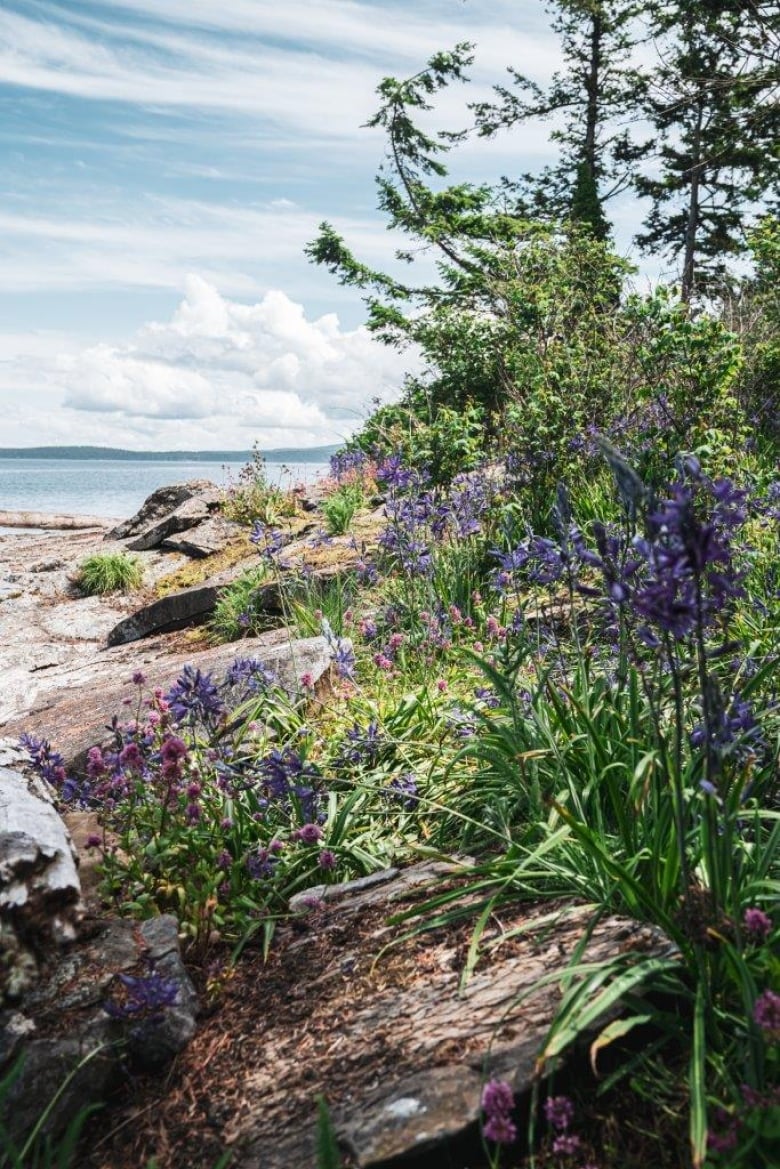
[362,747]
[195,696]
[757,925]
[723,1136]
[766,1014]
[498,1103]
[260,864]
[501,1129]
[308,834]
[404,789]
[147,995]
[566,1145]
[327,860]
[344,659]
[559,1112]
[250,676]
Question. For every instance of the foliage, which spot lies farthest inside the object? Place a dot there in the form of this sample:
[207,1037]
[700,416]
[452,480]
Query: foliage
[717,152]
[251,497]
[589,98]
[39,1150]
[106,572]
[239,610]
[340,507]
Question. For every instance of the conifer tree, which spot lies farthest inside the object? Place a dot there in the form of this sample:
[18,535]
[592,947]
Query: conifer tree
[712,103]
[594,96]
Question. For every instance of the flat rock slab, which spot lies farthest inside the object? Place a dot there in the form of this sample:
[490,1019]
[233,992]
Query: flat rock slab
[209,537]
[74,713]
[45,623]
[350,1008]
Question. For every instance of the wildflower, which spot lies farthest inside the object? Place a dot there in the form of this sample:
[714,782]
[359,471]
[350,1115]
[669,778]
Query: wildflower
[757,925]
[441,685]
[344,659]
[139,678]
[327,860]
[194,696]
[308,834]
[498,1103]
[147,995]
[766,1014]
[404,788]
[260,864]
[131,758]
[559,1112]
[250,674]
[566,1145]
[723,1137]
[307,681]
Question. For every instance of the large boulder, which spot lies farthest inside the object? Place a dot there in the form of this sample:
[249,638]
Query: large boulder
[160,504]
[39,885]
[74,1033]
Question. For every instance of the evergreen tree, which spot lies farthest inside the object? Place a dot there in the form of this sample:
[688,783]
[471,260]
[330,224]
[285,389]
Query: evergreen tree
[710,103]
[594,95]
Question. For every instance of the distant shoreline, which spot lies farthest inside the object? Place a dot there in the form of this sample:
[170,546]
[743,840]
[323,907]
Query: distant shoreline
[319,454]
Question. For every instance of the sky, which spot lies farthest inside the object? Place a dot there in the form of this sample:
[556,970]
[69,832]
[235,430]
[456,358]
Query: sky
[163,164]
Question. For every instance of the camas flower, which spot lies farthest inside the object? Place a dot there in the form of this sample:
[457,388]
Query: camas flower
[195,697]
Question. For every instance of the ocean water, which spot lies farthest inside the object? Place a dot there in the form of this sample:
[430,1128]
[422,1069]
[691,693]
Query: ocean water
[104,487]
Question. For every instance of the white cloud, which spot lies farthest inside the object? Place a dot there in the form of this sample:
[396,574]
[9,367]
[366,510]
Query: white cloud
[219,373]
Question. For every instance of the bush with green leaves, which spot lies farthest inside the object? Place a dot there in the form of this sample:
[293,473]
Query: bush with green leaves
[108,572]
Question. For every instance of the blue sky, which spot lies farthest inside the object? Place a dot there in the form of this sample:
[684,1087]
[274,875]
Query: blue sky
[163,164]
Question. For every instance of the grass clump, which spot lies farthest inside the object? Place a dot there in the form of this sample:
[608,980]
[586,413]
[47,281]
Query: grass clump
[339,509]
[109,572]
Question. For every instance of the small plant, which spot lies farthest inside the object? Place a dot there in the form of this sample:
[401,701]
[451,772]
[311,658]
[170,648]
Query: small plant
[107,572]
[239,612]
[340,507]
[251,497]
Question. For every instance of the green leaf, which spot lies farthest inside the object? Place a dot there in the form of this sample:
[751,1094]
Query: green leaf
[697,1079]
[614,1030]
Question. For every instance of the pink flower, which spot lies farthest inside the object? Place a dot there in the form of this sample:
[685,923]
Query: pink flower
[757,924]
[307,681]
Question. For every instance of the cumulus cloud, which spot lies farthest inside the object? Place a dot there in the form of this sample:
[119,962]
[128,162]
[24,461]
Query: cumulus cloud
[217,373]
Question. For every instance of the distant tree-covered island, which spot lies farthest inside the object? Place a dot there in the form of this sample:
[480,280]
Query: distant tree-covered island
[319,454]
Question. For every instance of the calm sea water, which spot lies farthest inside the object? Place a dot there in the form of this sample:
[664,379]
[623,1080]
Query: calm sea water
[103,487]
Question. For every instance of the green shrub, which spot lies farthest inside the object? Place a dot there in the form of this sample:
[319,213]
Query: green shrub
[106,572]
[238,611]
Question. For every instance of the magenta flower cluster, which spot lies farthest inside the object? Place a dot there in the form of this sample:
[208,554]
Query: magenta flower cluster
[498,1103]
